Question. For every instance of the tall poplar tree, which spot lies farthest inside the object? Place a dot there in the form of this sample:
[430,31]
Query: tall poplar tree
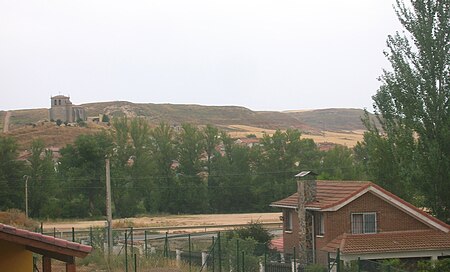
[412,105]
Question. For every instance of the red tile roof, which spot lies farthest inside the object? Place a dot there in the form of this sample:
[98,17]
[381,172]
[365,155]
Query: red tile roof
[25,237]
[277,244]
[389,242]
[329,193]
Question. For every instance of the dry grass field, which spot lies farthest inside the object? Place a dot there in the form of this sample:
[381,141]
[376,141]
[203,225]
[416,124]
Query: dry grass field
[171,220]
[347,138]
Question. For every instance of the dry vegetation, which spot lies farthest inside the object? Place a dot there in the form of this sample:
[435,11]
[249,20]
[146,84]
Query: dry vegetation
[18,219]
[50,133]
[340,126]
[171,220]
[347,138]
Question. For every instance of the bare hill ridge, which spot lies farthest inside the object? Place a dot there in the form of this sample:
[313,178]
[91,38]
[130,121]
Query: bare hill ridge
[342,126]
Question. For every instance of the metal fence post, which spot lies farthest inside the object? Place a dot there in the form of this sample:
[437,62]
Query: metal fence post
[220,251]
[166,245]
[359,264]
[132,241]
[126,251]
[135,263]
[237,255]
[42,227]
[90,236]
[328,261]
[190,251]
[73,234]
[265,259]
[145,244]
[243,262]
[212,252]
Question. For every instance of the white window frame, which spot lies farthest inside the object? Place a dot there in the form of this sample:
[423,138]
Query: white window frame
[363,230]
[320,224]
[287,220]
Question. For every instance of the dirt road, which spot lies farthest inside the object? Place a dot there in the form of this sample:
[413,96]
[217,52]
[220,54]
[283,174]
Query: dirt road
[6,122]
[173,220]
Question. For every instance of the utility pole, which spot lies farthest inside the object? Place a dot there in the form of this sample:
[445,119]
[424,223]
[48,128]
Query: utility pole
[108,205]
[26,195]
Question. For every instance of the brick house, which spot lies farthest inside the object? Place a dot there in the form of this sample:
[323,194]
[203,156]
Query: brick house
[17,247]
[361,219]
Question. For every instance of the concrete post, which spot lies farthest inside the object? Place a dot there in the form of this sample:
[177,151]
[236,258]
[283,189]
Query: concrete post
[204,260]
[178,256]
[294,265]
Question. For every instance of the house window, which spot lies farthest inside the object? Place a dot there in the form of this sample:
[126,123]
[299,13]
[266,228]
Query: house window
[287,220]
[320,224]
[364,223]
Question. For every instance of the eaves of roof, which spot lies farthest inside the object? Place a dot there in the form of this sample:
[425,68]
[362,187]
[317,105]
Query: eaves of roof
[58,248]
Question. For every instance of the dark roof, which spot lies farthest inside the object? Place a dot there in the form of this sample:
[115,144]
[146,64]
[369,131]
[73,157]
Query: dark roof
[390,242]
[46,245]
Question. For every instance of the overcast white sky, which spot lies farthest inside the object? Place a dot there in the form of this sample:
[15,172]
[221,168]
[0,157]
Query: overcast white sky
[264,55]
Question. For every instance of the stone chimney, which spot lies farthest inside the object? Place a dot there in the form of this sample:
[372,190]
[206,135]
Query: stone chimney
[307,189]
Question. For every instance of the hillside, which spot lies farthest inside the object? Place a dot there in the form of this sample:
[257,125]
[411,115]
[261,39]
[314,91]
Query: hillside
[331,119]
[342,126]
[195,114]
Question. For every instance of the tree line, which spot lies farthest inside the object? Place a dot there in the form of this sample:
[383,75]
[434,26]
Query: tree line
[164,169]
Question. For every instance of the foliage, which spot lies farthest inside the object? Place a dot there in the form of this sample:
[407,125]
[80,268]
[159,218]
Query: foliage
[83,169]
[105,118]
[254,231]
[239,252]
[11,175]
[42,180]
[411,153]
[316,268]
[434,266]
[162,169]
[339,164]
[17,218]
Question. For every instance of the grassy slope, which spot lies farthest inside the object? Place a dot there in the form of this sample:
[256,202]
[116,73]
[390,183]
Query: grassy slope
[331,119]
[239,121]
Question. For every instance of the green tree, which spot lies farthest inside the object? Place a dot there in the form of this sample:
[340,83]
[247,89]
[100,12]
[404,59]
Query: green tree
[412,105]
[42,183]
[11,175]
[276,161]
[163,152]
[339,164]
[83,171]
[211,141]
[130,165]
[231,178]
[191,174]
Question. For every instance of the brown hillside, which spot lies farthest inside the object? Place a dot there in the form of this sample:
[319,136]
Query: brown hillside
[51,134]
[331,119]
[341,126]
